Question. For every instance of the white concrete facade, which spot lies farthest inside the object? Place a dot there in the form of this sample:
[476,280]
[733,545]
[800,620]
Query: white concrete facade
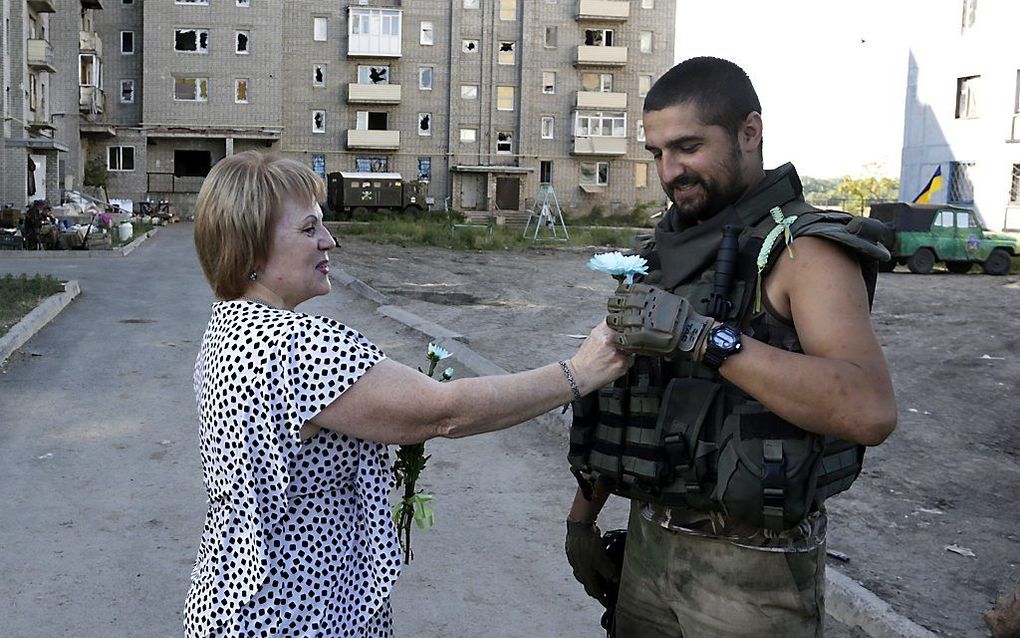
[963,111]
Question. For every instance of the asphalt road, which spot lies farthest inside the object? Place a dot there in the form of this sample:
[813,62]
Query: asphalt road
[101,484]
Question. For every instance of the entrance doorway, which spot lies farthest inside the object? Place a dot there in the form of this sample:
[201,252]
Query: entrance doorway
[472,191]
[508,193]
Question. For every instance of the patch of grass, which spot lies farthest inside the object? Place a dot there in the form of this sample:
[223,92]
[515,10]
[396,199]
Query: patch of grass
[435,232]
[639,217]
[19,295]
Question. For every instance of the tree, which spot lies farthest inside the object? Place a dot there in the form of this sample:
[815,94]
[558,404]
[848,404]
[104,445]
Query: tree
[863,190]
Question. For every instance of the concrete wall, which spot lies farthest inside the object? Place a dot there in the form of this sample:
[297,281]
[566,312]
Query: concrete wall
[934,136]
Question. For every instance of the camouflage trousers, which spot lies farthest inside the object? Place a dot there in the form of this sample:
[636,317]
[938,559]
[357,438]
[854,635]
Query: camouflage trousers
[677,585]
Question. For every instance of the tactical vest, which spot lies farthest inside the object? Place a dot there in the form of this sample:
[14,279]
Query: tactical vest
[678,434]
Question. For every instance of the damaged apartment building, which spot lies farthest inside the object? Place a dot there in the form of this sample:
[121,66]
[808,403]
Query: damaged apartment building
[484,101]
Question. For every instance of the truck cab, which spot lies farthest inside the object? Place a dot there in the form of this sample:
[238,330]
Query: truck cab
[353,195]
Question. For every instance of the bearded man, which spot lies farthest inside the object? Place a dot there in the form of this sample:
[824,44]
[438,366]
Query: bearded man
[757,385]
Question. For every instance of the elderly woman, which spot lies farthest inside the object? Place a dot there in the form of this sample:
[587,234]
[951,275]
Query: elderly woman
[296,412]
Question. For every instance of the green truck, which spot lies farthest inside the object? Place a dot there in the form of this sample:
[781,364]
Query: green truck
[956,236]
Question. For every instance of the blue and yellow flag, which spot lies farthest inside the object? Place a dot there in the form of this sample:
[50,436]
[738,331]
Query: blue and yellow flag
[934,185]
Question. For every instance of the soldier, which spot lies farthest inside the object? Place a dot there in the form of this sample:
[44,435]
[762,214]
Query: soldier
[758,383]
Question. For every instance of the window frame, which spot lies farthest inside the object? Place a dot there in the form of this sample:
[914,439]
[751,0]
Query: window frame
[237,34]
[598,173]
[467,129]
[120,159]
[501,99]
[198,41]
[315,67]
[247,90]
[430,40]
[421,75]
[316,21]
[967,90]
[547,85]
[508,142]
[133,47]
[319,130]
[201,87]
[134,87]
[551,121]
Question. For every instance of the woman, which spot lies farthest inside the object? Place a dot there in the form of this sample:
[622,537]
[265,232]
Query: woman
[296,412]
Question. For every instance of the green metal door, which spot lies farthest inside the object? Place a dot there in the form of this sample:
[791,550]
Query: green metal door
[970,237]
[945,238]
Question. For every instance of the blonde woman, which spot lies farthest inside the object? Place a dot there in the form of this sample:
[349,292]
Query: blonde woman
[296,412]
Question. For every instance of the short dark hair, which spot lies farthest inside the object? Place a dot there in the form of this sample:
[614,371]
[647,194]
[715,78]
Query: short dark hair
[721,90]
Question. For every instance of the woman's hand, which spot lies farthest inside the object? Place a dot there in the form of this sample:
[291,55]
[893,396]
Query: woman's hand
[599,361]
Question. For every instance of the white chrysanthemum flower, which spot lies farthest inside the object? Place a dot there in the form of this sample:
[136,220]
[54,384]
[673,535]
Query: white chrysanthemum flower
[438,353]
[619,265]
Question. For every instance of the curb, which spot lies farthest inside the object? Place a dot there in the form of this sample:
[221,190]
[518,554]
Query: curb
[123,251]
[846,600]
[34,321]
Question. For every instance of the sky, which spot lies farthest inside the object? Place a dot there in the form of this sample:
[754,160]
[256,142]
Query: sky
[830,74]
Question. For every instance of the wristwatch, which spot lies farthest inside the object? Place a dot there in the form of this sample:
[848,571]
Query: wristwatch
[723,342]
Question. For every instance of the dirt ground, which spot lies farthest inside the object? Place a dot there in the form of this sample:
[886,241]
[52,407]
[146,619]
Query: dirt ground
[949,477]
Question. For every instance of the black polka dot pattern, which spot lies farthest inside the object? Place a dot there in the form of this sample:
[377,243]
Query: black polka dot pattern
[298,538]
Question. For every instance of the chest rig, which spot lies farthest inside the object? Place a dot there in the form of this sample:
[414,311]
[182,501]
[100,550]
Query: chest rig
[675,433]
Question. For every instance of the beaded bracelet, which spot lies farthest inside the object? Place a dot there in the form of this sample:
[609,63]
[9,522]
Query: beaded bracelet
[565,367]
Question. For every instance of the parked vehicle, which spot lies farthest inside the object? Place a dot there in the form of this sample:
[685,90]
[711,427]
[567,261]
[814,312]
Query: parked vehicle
[956,236]
[352,195]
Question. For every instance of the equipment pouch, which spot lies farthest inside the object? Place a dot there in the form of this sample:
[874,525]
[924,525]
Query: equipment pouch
[690,407]
[585,416]
[607,444]
[767,469]
[639,464]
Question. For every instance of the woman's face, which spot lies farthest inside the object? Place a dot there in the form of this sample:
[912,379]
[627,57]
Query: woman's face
[297,268]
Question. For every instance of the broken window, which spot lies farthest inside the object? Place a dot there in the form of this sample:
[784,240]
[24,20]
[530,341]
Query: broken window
[372,120]
[127,91]
[191,40]
[598,37]
[424,124]
[191,89]
[507,53]
[595,173]
[192,163]
[469,91]
[371,165]
[319,75]
[547,127]
[318,121]
[244,3]
[469,46]
[373,74]
[504,98]
[241,91]
[504,142]
[549,82]
[551,37]
[241,42]
[425,78]
[424,169]
[427,34]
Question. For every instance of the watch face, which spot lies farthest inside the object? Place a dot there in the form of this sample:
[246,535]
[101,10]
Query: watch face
[724,338]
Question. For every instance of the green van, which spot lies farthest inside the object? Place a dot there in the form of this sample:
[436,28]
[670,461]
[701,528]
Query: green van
[926,234]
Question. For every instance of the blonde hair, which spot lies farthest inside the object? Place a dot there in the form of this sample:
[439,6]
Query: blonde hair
[237,206]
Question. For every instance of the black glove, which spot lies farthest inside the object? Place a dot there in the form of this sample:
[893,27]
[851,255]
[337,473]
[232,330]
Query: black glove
[593,568]
[654,322]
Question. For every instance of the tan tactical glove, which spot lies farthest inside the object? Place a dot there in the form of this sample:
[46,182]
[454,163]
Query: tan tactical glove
[654,322]
[586,553]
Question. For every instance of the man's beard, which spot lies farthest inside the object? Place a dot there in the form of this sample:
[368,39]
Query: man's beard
[717,194]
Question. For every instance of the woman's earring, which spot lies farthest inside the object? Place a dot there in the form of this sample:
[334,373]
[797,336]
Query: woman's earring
[253,275]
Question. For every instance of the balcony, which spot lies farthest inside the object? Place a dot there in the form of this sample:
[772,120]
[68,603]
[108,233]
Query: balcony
[90,42]
[41,125]
[41,6]
[618,10]
[601,56]
[40,55]
[383,140]
[91,99]
[373,93]
[600,100]
[600,146]
[92,4]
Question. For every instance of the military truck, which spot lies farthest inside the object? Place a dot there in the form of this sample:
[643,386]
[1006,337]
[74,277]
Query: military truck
[351,195]
[956,236]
